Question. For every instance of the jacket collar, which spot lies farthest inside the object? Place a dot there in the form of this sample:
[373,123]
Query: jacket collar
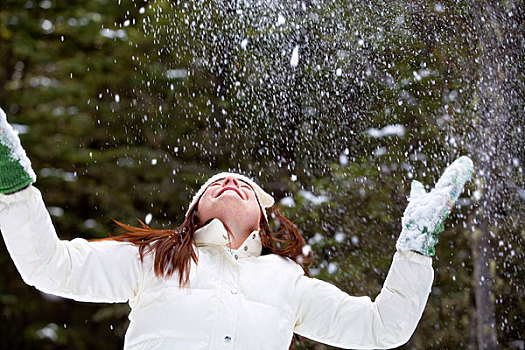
[215,234]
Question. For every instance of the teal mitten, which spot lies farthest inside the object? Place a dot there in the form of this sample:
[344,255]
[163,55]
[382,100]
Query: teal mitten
[426,212]
[15,168]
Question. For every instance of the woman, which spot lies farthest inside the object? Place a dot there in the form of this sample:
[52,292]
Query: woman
[222,280]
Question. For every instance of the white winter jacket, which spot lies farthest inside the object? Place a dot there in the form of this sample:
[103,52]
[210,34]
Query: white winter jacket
[236,299]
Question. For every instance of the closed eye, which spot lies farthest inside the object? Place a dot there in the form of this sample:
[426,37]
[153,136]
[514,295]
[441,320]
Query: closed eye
[245,185]
[242,184]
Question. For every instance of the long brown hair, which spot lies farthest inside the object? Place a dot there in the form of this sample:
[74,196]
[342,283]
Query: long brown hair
[174,250]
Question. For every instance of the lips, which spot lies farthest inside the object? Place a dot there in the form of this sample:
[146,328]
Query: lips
[224,189]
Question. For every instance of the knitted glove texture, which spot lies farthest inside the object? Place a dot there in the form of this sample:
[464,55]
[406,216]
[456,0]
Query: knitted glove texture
[15,167]
[425,214]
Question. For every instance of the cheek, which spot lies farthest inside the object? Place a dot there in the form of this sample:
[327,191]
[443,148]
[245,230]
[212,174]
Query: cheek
[204,208]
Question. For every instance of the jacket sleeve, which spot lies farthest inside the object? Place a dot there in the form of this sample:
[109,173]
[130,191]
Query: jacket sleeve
[328,315]
[105,271]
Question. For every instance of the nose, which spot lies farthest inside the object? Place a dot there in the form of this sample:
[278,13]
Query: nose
[230,181]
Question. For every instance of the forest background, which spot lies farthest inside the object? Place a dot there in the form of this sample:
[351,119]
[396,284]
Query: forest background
[126,107]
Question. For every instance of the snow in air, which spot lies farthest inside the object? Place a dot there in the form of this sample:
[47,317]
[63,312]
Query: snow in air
[294,61]
[148,218]
[389,130]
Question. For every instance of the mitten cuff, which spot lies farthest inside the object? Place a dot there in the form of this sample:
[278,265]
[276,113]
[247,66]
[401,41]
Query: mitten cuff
[17,196]
[416,257]
[13,177]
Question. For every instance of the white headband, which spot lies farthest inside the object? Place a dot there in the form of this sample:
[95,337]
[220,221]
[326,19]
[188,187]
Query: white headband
[265,200]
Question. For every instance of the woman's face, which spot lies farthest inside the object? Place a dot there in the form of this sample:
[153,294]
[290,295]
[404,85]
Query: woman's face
[233,202]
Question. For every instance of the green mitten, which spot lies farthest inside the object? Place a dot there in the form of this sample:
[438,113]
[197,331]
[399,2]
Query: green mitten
[15,167]
[426,212]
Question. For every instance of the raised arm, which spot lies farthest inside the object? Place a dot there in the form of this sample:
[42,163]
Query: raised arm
[81,270]
[330,316]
